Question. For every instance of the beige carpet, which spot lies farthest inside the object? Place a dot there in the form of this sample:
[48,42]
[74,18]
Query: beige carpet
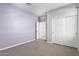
[40,48]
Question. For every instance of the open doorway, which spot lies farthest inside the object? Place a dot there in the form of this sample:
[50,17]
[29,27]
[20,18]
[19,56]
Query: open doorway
[41,28]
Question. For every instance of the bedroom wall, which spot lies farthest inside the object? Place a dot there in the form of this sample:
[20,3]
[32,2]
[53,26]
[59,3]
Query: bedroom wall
[16,25]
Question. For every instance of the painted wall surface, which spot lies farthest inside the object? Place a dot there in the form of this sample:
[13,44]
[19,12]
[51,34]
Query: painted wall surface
[16,26]
[61,20]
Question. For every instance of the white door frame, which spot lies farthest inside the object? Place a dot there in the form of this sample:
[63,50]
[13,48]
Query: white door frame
[36,28]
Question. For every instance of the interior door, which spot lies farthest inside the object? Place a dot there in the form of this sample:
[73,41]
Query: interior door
[65,31]
[65,26]
[70,30]
[57,30]
[41,30]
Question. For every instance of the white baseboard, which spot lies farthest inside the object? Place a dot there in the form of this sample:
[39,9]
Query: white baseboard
[16,45]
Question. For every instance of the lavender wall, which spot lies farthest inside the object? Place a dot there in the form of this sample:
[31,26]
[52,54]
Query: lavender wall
[16,26]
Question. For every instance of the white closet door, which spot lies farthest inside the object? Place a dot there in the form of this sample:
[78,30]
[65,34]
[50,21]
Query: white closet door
[70,31]
[64,27]
[57,31]
[65,31]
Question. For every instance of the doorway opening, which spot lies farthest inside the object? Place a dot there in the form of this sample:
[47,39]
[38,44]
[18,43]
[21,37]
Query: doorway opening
[41,28]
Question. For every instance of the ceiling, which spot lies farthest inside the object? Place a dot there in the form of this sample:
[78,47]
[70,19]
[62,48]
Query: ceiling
[39,9]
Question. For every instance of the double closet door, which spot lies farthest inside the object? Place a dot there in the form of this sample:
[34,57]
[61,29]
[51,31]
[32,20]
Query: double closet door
[65,28]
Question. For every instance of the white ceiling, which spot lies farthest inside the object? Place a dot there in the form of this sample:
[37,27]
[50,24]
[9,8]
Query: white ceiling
[39,9]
